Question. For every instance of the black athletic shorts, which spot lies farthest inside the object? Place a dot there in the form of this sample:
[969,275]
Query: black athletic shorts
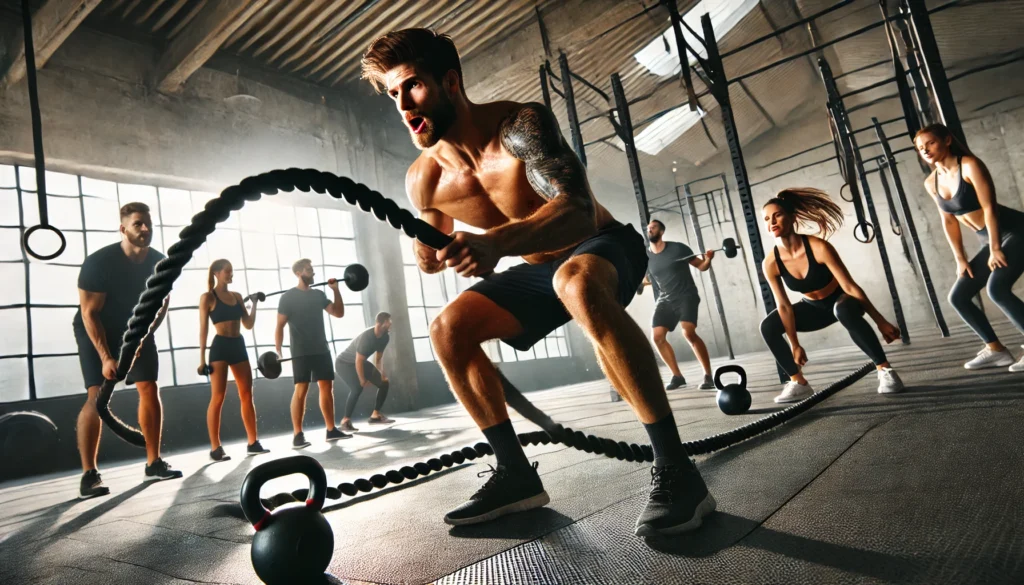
[348,374]
[312,368]
[145,369]
[667,314]
[527,290]
[228,349]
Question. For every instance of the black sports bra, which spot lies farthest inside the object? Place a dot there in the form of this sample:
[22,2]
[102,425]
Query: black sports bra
[965,200]
[224,312]
[818,275]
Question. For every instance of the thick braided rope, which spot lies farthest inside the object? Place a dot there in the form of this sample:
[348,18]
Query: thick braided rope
[205,222]
[577,440]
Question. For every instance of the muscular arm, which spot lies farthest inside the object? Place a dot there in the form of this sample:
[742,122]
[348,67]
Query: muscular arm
[830,258]
[785,308]
[282,320]
[975,173]
[701,263]
[248,317]
[426,257]
[92,303]
[531,134]
[337,307]
[378,362]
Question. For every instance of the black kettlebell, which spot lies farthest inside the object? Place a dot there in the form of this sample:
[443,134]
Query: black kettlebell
[732,398]
[294,543]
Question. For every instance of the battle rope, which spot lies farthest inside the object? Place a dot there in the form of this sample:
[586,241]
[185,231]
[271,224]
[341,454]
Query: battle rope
[233,198]
[577,440]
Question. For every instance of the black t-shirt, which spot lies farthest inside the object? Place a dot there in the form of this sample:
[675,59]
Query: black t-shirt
[366,344]
[671,278]
[109,271]
[305,312]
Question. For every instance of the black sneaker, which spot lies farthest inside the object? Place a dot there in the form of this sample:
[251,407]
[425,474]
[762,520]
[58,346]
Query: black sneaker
[160,471]
[347,426]
[299,441]
[219,455]
[676,382]
[678,502]
[335,434]
[505,492]
[708,383]
[92,485]
[256,449]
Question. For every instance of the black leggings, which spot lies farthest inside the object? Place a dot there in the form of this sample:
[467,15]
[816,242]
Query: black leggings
[999,283]
[348,374]
[815,315]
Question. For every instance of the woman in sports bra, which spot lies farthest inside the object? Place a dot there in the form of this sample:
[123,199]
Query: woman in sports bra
[228,314]
[966,197]
[811,266]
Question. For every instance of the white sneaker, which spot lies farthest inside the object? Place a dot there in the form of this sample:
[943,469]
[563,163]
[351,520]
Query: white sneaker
[794,392]
[990,359]
[889,381]
[1019,366]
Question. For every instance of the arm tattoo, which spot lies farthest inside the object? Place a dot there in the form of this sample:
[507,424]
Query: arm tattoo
[532,135]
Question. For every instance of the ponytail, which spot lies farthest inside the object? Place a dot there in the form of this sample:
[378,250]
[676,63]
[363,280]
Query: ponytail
[216,267]
[810,206]
[940,131]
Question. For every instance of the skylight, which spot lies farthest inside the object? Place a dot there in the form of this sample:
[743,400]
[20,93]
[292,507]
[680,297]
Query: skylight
[664,131]
[660,56]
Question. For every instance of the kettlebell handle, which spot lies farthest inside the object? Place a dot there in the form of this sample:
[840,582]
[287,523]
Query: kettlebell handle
[252,506]
[731,369]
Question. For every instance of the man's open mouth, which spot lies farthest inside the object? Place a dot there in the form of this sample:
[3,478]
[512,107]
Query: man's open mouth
[418,124]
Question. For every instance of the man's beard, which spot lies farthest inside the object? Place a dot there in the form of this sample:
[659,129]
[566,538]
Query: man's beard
[436,125]
[139,240]
[654,238]
[307,279]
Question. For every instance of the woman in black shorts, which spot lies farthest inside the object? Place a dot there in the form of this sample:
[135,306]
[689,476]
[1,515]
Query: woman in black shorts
[228,314]
[811,266]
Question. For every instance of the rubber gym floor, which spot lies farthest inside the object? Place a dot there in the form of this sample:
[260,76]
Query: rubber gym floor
[923,487]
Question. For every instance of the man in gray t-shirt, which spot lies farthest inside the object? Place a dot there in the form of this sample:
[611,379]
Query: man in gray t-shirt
[301,308]
[677,301]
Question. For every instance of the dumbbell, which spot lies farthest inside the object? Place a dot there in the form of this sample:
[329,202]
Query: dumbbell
[356,278]
[728,246]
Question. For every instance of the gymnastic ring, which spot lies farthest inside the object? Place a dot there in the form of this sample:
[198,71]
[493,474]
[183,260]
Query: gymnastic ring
[32,253]
[868,229]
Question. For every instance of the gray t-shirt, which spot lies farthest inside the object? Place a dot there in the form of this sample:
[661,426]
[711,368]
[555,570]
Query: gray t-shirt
[366,344]
[305,312]
[671,278]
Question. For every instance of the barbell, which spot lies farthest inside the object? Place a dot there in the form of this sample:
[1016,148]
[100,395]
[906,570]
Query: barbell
[356,278]
[269,364]
[729,246]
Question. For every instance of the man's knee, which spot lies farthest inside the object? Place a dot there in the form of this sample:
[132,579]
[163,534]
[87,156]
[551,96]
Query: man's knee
[585,282]
[147,391]
[451,332]
[659,335]
[690,332]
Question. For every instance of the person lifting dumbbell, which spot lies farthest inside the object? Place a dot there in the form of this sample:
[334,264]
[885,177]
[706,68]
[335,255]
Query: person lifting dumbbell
[677,300]
[300,309]
[226,309]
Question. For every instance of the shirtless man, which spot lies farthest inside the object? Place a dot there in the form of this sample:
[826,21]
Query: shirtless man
[504,167]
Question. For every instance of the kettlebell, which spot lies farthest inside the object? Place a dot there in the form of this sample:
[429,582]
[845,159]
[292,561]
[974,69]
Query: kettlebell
[732,398]
[293,543]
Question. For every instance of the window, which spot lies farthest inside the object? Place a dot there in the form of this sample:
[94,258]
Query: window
[427,294]
[39,298]
[660,56]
